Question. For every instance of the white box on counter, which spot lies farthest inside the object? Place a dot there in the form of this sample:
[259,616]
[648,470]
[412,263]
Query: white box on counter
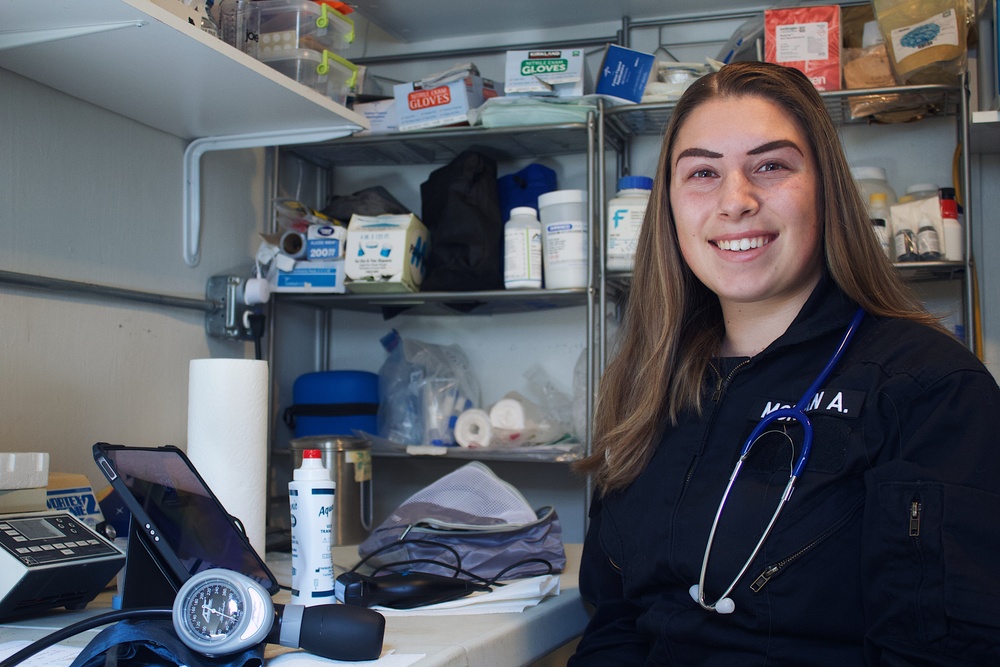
[386,253]
[24,470]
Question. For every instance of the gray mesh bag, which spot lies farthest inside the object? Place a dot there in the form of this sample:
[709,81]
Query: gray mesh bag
[485,519]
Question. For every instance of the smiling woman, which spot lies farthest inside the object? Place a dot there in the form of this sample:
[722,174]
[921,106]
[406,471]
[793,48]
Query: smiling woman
[759,286]
[746,212]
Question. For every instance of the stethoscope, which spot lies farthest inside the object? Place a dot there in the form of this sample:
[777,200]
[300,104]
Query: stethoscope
[725,604]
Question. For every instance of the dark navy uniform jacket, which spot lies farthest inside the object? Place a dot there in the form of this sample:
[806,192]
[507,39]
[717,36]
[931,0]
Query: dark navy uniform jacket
[887,553]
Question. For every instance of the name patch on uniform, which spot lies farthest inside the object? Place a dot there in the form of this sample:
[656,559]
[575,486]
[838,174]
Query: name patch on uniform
[833,402]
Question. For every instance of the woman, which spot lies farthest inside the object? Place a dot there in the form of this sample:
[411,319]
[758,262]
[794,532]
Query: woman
[755,256]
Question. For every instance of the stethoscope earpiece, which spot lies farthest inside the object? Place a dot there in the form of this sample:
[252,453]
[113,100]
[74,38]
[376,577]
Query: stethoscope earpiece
[723,606]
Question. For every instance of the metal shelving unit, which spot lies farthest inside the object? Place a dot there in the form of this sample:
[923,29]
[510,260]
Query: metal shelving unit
[438,146]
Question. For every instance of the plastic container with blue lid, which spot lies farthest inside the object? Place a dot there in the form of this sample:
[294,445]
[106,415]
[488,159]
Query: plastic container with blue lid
[334,403]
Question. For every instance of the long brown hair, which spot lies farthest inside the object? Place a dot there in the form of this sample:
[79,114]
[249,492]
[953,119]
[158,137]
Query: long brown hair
[673,324]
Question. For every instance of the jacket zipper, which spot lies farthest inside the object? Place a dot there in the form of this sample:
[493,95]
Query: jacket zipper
[915,508]
[774,569]
[720,386]
[722,383]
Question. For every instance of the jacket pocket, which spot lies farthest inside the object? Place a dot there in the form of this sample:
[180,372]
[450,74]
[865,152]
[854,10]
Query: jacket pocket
[930,564]
[776,449]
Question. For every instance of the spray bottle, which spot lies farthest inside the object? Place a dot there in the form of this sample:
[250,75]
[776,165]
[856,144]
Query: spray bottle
[311,498]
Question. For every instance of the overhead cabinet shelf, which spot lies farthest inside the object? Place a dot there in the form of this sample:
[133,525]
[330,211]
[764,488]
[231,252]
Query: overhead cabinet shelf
[140,61]
[143,62]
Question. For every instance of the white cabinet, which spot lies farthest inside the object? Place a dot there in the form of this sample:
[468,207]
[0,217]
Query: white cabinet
[142,62]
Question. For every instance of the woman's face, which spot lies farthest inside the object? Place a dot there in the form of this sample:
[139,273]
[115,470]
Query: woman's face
[743,192]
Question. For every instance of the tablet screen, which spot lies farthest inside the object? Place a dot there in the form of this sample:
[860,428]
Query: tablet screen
[190,520]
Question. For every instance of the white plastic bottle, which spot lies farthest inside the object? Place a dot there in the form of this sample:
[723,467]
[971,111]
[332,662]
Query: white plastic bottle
[954,235]
[625,214]
[564,238]
[311,497]
[522,250]
[871,180]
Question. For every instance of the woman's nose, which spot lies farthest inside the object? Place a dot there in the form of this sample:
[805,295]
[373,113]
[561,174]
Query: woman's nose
[737,196]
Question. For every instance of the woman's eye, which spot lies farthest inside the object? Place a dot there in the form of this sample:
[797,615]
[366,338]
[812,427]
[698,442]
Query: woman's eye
[703,173]
[771,166]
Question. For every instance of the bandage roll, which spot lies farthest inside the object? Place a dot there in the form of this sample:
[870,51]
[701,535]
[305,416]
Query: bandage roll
[293,244]
[473,429]
[508,413]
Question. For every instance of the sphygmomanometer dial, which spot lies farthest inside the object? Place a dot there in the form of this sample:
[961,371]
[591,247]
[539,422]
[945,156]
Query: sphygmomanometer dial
[219,611]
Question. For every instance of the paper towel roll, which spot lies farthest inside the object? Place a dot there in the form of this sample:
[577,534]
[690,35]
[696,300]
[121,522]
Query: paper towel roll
[508,413]
[227,437]
[472,429]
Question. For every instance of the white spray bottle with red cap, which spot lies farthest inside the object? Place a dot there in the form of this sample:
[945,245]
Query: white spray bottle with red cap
[311,498]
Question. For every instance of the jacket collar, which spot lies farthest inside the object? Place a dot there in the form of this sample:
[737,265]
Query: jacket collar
[828,309]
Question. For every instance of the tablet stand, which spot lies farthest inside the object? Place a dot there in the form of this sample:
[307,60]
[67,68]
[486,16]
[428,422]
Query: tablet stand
[145,582]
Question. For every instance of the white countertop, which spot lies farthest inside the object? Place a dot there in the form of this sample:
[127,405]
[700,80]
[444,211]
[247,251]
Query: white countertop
[494,640]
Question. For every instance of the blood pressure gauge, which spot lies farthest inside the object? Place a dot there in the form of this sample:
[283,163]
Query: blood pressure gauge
[218,612]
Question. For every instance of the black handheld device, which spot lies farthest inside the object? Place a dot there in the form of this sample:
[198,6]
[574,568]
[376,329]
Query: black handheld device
[178,529]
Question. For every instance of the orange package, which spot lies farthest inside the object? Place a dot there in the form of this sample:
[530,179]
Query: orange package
[808,39]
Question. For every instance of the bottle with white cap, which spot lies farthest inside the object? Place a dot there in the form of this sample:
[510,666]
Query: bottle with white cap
[871,180]
[522,249]
[625,213]
[311,497]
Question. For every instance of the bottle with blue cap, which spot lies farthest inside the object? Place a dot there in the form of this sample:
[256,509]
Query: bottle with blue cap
[625,214]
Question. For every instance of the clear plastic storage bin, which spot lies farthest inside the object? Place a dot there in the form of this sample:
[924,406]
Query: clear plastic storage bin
[323,71]
[288,25]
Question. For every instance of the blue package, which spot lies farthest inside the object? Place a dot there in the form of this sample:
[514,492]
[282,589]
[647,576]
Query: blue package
[624,73]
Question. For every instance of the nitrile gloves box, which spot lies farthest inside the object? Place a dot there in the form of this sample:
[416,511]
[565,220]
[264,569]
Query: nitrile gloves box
[436,105]
[386,253]
[554,72]
[624,73]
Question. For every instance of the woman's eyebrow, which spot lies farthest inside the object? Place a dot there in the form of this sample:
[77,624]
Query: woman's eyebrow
[697,152]
[775,145]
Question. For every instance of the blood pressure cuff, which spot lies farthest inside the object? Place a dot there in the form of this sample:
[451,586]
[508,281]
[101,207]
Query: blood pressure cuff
[153,643]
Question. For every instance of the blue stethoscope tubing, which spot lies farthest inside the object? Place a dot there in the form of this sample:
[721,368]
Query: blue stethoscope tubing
[724,605]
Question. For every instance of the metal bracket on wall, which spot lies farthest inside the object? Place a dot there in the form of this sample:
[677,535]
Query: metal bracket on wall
[228,319]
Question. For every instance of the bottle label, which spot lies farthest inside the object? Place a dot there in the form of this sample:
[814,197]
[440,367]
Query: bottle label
[522,260]
[624,225]
[928,243]
[906,246]
[564,247]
